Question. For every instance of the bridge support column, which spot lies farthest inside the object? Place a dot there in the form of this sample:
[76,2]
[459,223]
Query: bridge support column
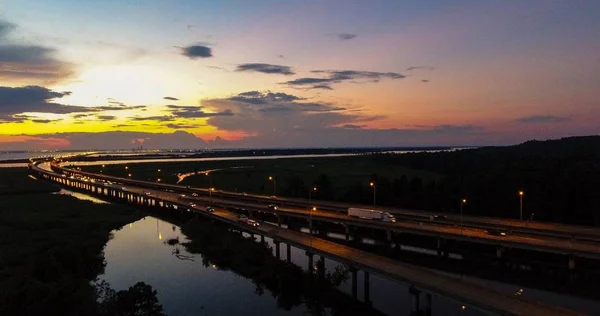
[427,307]
[277,249]
[278,220]
[389,236]
[288,251]
[354,285]
[440,244]
[262,238]
[499,251]
[571,263]
[415,298]
[321,268]
[310,262]
[367,285]
[347,229]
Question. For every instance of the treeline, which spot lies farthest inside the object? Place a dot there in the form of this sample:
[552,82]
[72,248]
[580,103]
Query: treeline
[560,180]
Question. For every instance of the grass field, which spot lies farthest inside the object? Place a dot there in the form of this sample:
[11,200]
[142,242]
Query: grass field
[18,181]
[293,177]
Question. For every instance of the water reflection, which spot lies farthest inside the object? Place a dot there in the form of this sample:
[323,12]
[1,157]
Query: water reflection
[81,196]
[217,272]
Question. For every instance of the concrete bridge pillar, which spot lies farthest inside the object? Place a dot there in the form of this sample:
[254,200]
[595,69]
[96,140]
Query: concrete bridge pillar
[427,305]
[388,234]
[310,262]
[278,220]
[347,230]
[288,250]
[367,285]
[415,298]
[499,252]
[321,268]
[277,250]
[354,285]
[262,238]
[571,263]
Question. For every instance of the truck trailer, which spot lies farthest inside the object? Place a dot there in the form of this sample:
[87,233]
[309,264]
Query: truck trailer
[371,214]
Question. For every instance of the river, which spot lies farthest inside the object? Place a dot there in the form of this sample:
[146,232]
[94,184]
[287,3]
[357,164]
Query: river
[191,284]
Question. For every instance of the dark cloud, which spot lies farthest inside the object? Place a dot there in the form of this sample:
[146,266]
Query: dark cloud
[106,117]
[419,67]
[196,51]
[34,99]
[43,121]
[425,80]
[257,97]
[114,107]
[182,126]
[113,102]
[152,118]
[346,36]
[266,68]
[543,119]
[194,112]
[118,140]
[268,112]
[338,76]
[352,126]
[16,100]
[29,63]
[171,98]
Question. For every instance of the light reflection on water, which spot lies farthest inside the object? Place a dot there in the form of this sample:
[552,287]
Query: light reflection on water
[138,252]
[81,196]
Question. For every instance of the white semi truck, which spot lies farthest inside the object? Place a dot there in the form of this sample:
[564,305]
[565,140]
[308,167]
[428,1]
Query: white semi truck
[371,214]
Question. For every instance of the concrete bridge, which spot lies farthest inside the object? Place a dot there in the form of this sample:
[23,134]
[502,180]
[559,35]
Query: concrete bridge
[423,283]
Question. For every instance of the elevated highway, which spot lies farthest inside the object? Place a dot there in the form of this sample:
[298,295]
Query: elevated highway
[421,281]
[541,229]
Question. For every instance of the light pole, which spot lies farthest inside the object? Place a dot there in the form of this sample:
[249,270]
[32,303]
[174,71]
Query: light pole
[462,202]
[274,184]
[209,180]
[374,196]
[210,190]
[311,208]
[521,193]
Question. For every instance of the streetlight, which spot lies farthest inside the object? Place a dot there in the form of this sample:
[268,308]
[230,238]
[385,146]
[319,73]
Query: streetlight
[210,194]
[521,193]
[311,209]
[129,175]
[209,180]
[463,202]
[158,180]
[373,185]
[274,184]
[126,167]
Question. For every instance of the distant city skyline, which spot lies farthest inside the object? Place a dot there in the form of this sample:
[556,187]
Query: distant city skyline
[273,74]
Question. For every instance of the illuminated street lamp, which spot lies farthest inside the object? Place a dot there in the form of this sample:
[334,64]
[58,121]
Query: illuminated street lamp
[126,167]
[274,184]
[210,190]
[310,210]
[158,180]
[374,196]
[158,170]
[521,193]
[462,202]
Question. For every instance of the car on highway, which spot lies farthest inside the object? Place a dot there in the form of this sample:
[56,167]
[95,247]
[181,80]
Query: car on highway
[242,218]
[495,232]
[192,205]
[439,217]
[252,222]
[194,194]
[210,209]
[147,193]
[245,194]
[274,197]
[273,207]
[181,195]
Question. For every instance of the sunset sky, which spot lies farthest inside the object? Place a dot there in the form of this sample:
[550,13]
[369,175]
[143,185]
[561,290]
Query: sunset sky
[212,74]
